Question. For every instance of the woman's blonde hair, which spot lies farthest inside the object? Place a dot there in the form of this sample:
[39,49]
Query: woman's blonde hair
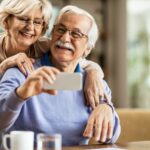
[21,7]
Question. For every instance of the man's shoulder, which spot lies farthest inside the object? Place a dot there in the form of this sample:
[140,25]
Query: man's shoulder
[13,73]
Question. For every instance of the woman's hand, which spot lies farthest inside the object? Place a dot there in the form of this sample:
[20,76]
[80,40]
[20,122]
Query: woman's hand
[94,88]
[34,83]
[24,63]
[100,123]
[94,85]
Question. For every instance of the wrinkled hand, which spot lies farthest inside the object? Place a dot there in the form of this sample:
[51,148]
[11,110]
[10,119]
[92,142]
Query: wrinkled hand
[34,83]
[24,63]
[94,88]
[100,123]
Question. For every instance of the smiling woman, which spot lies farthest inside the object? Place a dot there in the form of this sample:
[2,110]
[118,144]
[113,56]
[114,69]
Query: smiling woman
[23,31]
[24,22]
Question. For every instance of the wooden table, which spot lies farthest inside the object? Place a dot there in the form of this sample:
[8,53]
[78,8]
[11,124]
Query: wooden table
[141,145]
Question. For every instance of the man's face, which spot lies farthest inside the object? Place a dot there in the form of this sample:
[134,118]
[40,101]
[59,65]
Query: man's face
[69,38]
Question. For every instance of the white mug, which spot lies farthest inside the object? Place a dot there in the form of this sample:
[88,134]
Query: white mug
[19,140]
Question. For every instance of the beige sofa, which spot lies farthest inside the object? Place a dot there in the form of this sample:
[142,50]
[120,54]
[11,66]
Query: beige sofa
[135,124]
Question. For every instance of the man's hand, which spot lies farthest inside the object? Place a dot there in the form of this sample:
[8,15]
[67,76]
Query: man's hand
[94,88]
[34,83]
[100,123]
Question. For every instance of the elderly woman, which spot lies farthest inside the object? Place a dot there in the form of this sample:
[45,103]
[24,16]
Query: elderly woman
[24,22]
[26,105]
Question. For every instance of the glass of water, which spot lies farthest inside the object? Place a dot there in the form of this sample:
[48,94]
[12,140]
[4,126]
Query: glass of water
[49,142]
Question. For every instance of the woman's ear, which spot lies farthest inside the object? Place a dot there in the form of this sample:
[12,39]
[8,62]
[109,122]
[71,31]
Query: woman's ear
[6,23]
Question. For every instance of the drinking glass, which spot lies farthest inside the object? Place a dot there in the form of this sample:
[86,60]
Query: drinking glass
[49,142]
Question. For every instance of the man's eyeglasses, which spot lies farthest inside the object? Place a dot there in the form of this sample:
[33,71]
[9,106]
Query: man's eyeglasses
[25,20]
[75,34]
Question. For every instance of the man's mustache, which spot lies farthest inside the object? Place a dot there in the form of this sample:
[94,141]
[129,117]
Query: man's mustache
[66,45]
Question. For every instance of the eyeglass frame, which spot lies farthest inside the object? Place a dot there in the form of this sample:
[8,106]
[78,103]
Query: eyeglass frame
[26,21]
[70,32]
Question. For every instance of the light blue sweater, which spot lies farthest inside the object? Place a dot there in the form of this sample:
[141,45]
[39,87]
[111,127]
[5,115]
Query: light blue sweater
[64,113]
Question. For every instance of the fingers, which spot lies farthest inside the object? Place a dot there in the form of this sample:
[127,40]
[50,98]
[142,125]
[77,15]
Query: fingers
[88,132]
[101,90]
[24,63]
[21,60]
[101,122]
[98,129]
[48,74]
[96,97]
[28,67]
[32,60]
[21,67]
[36,80]
[90,99]
[110,130]
[104,131]
[52,92]
[101,96]
[52,72]
[94,88]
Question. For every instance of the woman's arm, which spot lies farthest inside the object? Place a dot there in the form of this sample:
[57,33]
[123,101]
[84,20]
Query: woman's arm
[90,65]
[94,87]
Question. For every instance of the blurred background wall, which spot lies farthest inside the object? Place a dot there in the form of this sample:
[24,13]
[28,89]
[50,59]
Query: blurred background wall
[123,47]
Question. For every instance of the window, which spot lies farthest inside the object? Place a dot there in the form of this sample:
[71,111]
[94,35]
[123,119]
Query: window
[139,52]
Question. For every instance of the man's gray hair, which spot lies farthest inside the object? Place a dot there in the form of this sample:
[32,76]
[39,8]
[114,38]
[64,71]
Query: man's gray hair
[93,32]
[21,7]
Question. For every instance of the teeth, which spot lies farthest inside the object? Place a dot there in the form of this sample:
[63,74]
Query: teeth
[59,43]
[27,34]
[65,45]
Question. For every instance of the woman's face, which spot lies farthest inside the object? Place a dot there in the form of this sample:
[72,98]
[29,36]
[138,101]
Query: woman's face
[25,30]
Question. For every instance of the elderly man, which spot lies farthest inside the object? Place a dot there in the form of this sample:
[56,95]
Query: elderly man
[25,105]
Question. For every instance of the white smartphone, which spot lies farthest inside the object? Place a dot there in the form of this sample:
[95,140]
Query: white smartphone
[66,81]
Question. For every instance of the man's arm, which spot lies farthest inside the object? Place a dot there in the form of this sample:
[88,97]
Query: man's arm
[15,91]
[10,104]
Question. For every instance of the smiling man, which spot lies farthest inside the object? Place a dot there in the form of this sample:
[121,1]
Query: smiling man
[69,39]
[28,106]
